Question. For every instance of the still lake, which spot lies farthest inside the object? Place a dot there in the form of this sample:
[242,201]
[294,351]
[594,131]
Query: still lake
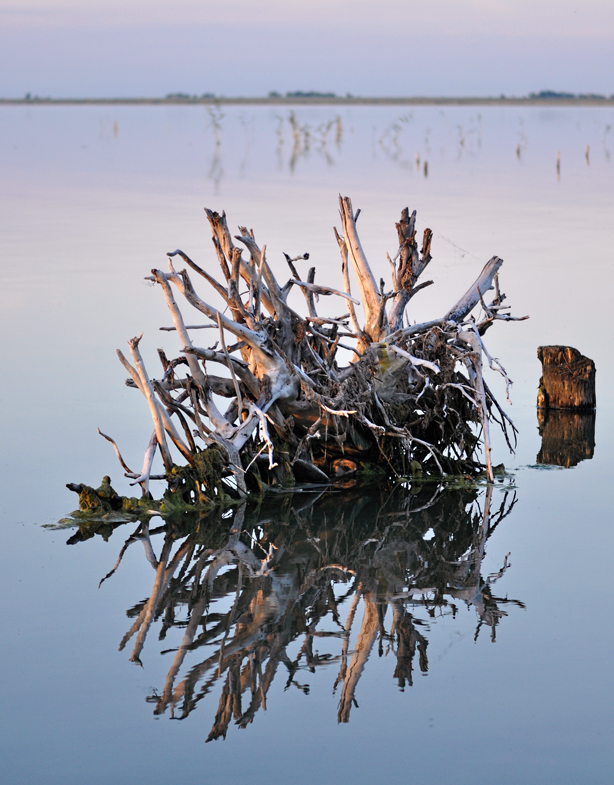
[504,679]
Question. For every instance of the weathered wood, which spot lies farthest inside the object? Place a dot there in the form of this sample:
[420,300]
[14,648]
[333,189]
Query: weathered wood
[411,399]
[410,266]
[568,379]
[376,322]
[478,289]
[472,338]
[568,437]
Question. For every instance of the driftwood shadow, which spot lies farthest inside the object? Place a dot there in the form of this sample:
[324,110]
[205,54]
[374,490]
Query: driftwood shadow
[568,436]
[302,582]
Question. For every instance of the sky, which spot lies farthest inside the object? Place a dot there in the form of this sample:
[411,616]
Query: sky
[141,48]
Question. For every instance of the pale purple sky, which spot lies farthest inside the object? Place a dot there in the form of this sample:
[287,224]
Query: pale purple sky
[72,48]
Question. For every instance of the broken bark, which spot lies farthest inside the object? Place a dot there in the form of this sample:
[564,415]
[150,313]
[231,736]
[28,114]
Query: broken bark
[411,398]
[568,379]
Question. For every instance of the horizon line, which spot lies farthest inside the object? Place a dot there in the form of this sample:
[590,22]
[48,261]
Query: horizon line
[546,98]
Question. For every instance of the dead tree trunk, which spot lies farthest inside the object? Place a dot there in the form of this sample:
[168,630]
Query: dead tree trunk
[568,379]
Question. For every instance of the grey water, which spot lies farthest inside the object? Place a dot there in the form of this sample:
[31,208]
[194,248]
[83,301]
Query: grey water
[462,663]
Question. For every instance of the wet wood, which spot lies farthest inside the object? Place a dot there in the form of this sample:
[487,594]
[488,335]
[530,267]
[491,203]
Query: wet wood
[568,379]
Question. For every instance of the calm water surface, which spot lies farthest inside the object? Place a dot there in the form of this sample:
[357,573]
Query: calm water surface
[386,635]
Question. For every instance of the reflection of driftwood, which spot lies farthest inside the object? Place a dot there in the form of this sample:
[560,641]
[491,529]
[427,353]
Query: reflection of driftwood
[568,379]
[283,574]
[568,437]
[409,398]
[366,638]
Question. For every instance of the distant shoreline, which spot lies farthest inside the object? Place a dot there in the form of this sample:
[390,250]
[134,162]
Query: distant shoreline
[306,101]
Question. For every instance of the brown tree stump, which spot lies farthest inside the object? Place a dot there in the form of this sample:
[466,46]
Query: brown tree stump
[568,379]
[568,437]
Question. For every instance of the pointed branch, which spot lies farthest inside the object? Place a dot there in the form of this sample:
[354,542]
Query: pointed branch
[472,296]
[324,291]
[125,467]
[371,299]
[182,332]
[411,265]
[346,282]
[147,390]
[221,290]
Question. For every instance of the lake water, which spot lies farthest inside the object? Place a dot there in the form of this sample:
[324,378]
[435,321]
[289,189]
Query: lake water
[91,199]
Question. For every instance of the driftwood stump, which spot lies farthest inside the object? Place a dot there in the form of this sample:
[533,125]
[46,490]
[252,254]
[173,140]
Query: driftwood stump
[568,379]
[312,397]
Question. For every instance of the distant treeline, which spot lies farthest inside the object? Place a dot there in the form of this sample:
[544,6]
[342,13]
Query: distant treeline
[272,94]
[188,97]
[308,94]
[541,96]
[546,94]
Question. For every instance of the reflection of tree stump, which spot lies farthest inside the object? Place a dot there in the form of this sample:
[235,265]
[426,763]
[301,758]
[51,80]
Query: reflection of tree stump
[568,379]
[567,437]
